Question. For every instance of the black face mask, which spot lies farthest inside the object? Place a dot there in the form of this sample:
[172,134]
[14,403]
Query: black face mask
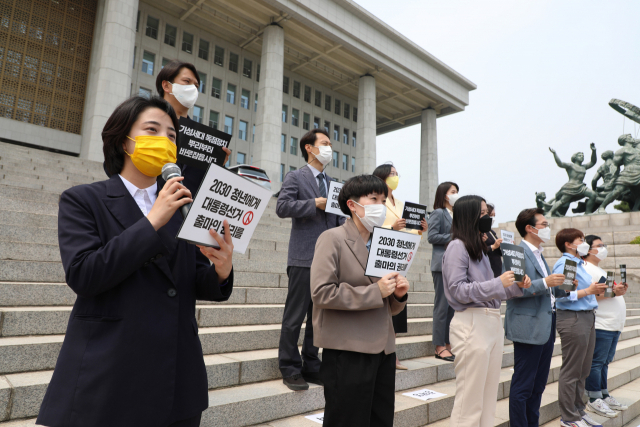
[485,224]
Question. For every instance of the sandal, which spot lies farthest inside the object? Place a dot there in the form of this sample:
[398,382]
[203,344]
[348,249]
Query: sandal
[445,358]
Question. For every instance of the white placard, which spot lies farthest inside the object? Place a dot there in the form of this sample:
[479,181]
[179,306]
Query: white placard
[424,394]
[316,418]
[391,251]
[508,237]
[332,198]
[225,195]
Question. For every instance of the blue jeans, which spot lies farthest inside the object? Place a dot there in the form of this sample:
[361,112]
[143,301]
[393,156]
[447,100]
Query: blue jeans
[603,353]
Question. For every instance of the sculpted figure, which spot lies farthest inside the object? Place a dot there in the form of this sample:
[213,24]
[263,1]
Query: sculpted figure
[542,203]
[608,172]
[575,189]
[629,179]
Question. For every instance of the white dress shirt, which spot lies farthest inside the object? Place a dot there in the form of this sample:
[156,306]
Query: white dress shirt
[143,198]
[537,252]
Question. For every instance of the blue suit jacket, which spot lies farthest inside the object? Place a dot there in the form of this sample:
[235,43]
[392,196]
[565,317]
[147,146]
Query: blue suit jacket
[297,201]
[131,356]
[528,318]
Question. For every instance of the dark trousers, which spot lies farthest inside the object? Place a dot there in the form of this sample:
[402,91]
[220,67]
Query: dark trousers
[531,365]
[297,306]
[442,312]
[603,353]
[359,388]
[191,422]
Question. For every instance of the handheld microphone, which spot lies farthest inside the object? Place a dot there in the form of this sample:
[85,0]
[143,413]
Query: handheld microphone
[171,170]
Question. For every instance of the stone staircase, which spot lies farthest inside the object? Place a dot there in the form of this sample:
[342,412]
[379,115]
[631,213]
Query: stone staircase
[239,337]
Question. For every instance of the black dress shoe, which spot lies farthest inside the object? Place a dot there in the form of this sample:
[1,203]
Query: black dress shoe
[446,358]
[296,383]
[312,377]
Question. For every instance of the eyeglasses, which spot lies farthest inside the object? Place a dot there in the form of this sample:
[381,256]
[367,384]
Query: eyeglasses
[602,245]
[544,225]
[394,174]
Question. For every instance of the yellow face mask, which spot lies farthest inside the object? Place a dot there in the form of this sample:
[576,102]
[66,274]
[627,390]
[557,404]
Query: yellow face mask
[152,153]
[392,182]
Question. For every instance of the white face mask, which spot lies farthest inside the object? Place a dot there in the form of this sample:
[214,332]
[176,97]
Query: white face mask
[582,249]
[187,95]
[544,234]
[374,216]
[453,198]
[493,222]
[325,155]
[602,253]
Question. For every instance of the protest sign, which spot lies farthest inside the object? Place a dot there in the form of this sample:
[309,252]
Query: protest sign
[201,145]
[570,271]
[513,257]
[508,237]
[414,213]
[424,394]
[316,418]
[391,251]
[224,195]
[623,273]
[608,293]
[332,198]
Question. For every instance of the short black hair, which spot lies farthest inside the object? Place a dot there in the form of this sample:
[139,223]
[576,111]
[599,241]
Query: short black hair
[383,171]
[527,217]
[170,71]
[119,125]
[359,186]
[441,194]
[591,238]
[310,138]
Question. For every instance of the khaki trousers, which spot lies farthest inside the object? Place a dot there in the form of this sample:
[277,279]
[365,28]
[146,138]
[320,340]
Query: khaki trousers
[477,339]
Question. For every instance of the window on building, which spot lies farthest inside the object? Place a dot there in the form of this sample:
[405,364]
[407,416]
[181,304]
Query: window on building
[347,109]
[187,42]
[233,62]
[231,93]
[241,158]
[197,114]
[336,159]
[355,114]
[165,61]
[295,117]
[228,125]
[281,172]
[144,92]
[345,136]
[292,168]
[296,89]
[293,147]
[306,118]
[135,48]
[247,67]
[253,139]
[316,122]
[152,27]
[338,104]
[283,143]
[218,56]
[327,126]
[327,102]
[285,113]
[170,35]
[214,116]
[138,21]
[243,127]
[345,162]
[285,84]
[203,82]
[203,50]
[307,94]
[318,99]
[353,139]
[258,73]
[244,99]
[336,132]
[255,103]
[226,165]
[216,87]
[148,59]
[353,164]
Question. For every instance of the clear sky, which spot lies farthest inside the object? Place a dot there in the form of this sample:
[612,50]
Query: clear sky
[545,72]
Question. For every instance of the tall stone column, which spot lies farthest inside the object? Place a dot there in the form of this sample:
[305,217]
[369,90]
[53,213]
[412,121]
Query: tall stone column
[366,137]
[109,81]
[269,115]
[428,157]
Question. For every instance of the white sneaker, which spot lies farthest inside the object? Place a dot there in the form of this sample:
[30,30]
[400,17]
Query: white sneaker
[599,407]
[614,404]
[580,423]
[588,421]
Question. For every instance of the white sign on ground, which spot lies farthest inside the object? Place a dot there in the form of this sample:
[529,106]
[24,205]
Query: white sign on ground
[508,237]
[224,195]
[317,418]
[424,394]
[332,198]
[391,251]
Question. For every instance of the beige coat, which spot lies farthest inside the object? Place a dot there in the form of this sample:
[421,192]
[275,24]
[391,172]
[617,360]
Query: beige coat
[349,312]
[394,213]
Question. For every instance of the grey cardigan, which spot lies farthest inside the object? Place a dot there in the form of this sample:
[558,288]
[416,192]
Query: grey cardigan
[439,234]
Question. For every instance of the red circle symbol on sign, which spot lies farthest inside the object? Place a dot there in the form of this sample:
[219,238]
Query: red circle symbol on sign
[410,256]
[247,218]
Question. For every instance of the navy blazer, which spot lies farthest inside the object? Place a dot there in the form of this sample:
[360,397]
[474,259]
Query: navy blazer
[297,201]
[439,235]
[131,355]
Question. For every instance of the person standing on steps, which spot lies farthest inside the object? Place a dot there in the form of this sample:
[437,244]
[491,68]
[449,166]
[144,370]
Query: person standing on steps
[493,243]
[439,236]
[530,322]
[610,318]
[395,207]
[303,198]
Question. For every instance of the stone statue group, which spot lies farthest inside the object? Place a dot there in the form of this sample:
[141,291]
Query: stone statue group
[620,175]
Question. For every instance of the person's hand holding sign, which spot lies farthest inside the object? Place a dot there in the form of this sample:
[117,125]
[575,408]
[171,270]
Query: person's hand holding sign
[387,284]
[220,257]
[507,278]
[400,224]
[554,280]
[424,225]
[620,289]
[321,203]
[526,283]
[227,153]
[173,196]
[402,286]
[496,245]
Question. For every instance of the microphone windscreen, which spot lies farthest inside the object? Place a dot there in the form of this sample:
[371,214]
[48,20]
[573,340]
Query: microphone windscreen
[170,170]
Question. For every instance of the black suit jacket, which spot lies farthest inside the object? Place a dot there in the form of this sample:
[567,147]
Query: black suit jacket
[131,355]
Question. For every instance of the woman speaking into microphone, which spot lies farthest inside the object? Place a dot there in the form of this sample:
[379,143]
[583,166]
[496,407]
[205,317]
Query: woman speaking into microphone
[131,355]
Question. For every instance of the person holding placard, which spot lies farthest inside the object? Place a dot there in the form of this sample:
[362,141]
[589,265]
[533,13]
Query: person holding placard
[131,355]
[393,220]
[493,243]
[352,313]
[575,320]
[303,198]
[610,318]
[477,335]
[439,236]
